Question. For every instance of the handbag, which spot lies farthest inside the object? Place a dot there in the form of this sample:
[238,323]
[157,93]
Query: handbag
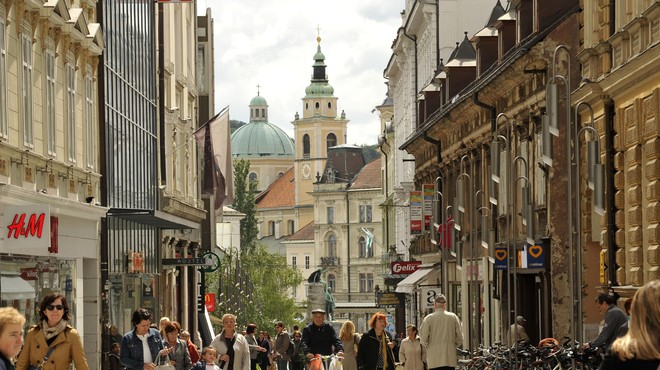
[164,366]
[43,361]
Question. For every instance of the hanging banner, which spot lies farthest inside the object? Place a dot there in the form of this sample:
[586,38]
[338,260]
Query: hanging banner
[535,256]
[500,258]
[209,302]
[428,190]
[416,213]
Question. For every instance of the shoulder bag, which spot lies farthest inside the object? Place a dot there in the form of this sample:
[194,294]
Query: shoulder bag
[43,361]
[163,365]
[397,365]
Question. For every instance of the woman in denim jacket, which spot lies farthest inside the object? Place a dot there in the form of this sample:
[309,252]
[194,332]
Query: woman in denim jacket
[132,354]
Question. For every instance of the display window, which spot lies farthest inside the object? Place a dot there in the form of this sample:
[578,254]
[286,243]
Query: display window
[25,280]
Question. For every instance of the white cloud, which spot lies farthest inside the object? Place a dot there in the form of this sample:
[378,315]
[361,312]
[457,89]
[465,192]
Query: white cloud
[271,43]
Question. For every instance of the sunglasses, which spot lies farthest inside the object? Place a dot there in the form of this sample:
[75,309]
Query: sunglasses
[52,307]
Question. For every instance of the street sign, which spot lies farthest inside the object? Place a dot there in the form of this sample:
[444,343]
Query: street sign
[500,258]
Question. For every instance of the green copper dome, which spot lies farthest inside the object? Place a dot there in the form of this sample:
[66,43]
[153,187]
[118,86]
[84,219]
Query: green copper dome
[261,139]
[319,89]
[258,100]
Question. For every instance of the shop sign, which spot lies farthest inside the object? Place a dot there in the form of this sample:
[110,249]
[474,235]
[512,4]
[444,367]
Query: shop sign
[29,273]
[388,299]
[209,301]
[135,262]
[196,261]
[416,213]
[429,190]
[405,267]
[428,294]
[27,225]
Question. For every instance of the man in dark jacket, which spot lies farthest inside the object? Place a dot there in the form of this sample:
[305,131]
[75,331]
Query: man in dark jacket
[319,337]
[615,318]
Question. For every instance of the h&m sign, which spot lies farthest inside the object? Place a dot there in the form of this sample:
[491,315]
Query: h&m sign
[29,225]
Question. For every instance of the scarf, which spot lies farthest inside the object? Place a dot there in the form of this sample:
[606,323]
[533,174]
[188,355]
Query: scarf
[55,330]
[383,349]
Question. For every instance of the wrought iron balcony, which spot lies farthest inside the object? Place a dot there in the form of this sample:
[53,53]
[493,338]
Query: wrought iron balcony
[330,261]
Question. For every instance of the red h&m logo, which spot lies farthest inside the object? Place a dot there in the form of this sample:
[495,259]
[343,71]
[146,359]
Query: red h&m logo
[34,227]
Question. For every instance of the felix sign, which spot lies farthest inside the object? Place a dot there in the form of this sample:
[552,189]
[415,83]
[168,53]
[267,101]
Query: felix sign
[27,226]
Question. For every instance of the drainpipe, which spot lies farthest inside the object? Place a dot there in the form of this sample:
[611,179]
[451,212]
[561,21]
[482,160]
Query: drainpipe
[161,96]
[387,212]
[348,244]
[437,34]
[609,191]
[435,142]
[612,29]
[414,39]
[491,108]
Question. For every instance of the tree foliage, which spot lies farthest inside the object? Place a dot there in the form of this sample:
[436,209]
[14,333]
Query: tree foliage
[255,287]
[244,202]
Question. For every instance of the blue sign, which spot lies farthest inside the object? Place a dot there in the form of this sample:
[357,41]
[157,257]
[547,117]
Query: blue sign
[535,256]
[500,258]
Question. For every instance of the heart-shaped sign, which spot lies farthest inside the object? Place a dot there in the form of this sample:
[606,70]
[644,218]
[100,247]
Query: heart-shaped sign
[500,254]
[535,251]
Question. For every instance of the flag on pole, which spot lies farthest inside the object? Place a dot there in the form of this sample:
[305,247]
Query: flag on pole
[369,242]
[214,138]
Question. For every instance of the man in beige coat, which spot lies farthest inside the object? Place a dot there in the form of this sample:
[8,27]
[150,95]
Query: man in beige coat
[441,334]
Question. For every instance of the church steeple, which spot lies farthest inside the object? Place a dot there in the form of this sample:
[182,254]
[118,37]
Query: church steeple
[319,65]
[319,87]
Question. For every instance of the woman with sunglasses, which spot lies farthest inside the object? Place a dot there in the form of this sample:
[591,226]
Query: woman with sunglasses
[53,334]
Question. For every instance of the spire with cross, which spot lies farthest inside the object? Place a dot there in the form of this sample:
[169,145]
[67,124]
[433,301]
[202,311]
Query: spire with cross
[258,86]
[318,34]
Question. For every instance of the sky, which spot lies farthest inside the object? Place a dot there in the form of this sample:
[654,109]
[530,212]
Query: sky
[271,43]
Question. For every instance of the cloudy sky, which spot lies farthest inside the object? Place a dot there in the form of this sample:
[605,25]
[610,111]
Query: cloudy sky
[271,43]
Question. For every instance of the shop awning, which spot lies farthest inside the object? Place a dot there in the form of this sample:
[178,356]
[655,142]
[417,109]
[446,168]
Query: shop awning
[407,285]
[160,219]
[13,287]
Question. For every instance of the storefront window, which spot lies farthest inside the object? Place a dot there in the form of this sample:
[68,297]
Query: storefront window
[26,280]
[129,292]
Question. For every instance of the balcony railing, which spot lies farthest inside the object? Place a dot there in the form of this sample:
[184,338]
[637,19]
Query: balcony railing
[330,261]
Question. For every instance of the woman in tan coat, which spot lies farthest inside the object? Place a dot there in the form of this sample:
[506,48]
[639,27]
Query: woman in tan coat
[55,332]
[412,353]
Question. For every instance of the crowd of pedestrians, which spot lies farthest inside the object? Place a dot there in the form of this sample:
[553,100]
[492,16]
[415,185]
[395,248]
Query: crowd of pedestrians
[632,341]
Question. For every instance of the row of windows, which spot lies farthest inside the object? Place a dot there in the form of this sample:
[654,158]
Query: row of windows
[290,227]
[330,141]
[365,214]
[365,250]
[294,262]
[26,97]
[317,105]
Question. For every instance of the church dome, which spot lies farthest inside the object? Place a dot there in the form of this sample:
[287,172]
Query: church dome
[258,100]
[261,139]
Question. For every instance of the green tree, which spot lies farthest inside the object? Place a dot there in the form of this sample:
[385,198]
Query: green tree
[255,287]
[244,202]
